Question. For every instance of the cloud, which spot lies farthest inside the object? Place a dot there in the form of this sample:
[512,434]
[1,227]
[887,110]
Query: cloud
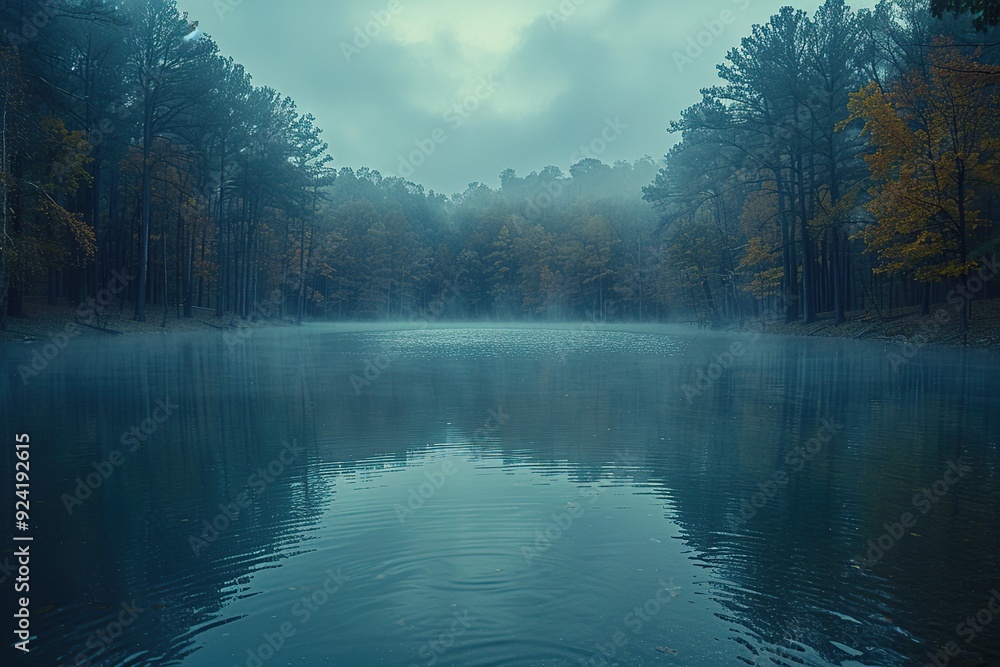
[566,66]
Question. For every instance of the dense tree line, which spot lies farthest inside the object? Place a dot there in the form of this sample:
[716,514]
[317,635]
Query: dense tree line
[132,147]
[846,161]
[985,12]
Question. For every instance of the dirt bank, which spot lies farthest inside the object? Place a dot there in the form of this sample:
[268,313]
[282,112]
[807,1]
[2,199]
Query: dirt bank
[903,325]
[41,321]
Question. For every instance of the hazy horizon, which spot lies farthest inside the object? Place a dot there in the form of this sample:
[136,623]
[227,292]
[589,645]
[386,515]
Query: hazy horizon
[534,83]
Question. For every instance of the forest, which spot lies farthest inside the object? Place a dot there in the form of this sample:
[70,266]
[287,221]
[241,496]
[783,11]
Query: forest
[844,161]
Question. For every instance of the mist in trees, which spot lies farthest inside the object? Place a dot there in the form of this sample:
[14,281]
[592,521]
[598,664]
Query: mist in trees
[845,161]
[832,169]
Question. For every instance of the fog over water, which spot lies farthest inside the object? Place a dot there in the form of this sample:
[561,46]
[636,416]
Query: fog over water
[510,495]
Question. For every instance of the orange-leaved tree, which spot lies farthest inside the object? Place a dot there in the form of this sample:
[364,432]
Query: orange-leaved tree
[761,261]
[54,237]
[935,138]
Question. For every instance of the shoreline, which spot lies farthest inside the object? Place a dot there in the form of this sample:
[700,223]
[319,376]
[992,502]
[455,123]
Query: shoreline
[903,326]
[42,322]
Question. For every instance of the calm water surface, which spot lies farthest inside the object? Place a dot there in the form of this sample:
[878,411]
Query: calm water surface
[470,496]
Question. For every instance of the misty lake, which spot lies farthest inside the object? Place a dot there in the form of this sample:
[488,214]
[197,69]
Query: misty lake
[338,495]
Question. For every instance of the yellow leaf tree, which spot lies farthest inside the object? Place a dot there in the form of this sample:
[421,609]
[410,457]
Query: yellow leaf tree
[760,264]
[934,136]
[45,235]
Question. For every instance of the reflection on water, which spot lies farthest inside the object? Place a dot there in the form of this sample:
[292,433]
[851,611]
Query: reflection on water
[507,496]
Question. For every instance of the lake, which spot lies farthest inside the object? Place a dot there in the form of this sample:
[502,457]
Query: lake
[359,495]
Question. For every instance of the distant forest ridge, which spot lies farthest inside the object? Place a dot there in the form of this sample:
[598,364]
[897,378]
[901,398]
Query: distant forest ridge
[845,160]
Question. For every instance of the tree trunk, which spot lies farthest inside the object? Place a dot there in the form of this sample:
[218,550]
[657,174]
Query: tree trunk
[147,194]
[790,278]
[808,314]
[838,284]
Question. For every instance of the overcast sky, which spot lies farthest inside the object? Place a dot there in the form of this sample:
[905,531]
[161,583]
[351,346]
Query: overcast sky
[451,91]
